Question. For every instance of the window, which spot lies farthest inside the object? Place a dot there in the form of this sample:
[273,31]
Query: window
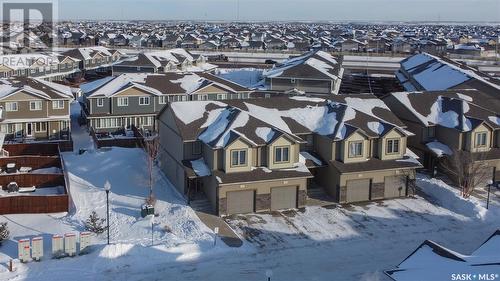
[392,146]
[238,157]
[40,127]
[292,80]
[100,102]
[281,154]
[58,104]
[146,121]
[481,139]
[355,149]
[143,100]
[36,105]
[122,101]
[431,132]
[196,148]
[11,106]
[162,100]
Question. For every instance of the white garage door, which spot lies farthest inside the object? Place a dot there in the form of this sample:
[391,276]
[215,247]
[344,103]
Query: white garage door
[358,190]
[394,186]
[284,197]
[240,202]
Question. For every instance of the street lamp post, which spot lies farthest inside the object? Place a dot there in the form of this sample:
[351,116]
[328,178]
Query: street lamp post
[152,228]
[107,188]
[490,183]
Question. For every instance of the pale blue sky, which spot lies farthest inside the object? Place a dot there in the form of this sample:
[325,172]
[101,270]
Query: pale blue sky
[262,10]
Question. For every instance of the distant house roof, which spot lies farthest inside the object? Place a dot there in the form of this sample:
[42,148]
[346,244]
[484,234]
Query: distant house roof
[431,261]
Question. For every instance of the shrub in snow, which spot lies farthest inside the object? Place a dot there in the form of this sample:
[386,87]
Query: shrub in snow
[95,224]
[4,232]
[167,229]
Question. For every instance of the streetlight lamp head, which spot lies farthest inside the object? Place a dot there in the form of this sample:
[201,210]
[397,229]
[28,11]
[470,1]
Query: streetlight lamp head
[269,273]
[490,182]
[107,186]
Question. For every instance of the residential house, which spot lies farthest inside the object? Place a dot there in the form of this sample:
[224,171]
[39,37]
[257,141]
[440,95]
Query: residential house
[163,61]
[313,72]
[34,109]
[426,72]
[96,58]
[448,121]
[50,66]
[257,154]
[113,104]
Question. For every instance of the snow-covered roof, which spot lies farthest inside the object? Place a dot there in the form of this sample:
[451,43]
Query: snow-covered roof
[431,261]
[434,73]
[38,87]
[325,65]
[438,148]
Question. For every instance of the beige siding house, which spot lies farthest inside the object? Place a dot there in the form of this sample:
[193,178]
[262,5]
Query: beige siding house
[261,154]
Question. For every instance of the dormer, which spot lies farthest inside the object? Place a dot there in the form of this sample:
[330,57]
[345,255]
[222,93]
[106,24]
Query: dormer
[480,138]
[392,145]
[355,147]
[238,155]
[282,152]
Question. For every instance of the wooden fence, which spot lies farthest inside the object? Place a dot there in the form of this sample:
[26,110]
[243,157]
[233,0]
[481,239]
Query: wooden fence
[134,142]
[33,161]
[34,204]
[28,179]
[40,149]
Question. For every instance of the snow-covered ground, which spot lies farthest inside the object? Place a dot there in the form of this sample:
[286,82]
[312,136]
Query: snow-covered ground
[355,242]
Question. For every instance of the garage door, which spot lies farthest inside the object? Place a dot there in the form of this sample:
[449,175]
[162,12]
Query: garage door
[284,197]
[358,190]
[394,186]
[240,202]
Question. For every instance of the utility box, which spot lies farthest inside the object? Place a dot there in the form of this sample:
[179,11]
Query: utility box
[70,244]
[37,248]
[147,209]
[23,246]
[85,238]
[57,246]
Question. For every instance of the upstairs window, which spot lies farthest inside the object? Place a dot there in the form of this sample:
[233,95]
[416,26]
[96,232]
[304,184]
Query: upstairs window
[481,139]
[36,105]
[392,146]
[238,157]
[281,154]
[100,102]
[196,148]
[11,106]
[122,101]
[58,104]
[143,100]
[355,149]
[431,132]
[162,100]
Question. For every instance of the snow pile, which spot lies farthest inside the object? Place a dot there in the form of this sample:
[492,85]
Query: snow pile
[439,148]
[50,170]
[450,198]
[311,99]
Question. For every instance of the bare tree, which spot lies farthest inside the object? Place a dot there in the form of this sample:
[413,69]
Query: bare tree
[467,169]
[151,146]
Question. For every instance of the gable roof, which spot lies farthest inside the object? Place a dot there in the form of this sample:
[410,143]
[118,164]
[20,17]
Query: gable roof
[38,87]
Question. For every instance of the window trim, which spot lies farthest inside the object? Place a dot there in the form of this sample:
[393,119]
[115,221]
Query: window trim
[11,103]
[36,102]
[349,155]
[393,140]
[239,151]
[485,133]
[148,99]
[282,148]
[196,148]
[100,102]
[121,104]
[57,102]
[162,99]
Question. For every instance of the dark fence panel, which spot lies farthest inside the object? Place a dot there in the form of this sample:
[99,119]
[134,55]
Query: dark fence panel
[35,162]
[37,180]
[34,204]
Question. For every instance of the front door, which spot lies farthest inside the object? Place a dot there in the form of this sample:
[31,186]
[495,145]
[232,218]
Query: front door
[18,130]
[29,129]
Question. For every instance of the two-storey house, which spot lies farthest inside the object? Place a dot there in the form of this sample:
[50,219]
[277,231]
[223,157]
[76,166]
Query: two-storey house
[257,154]
[314,72]
[50,66]
[449,121]
[174,60]
[114,103]
[97,58]
[34,110]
